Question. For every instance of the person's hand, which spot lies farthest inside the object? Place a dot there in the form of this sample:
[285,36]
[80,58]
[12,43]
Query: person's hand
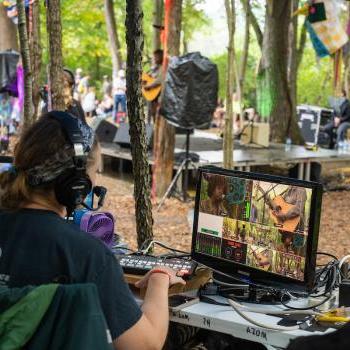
[174,276]
[336,121]
[279,215]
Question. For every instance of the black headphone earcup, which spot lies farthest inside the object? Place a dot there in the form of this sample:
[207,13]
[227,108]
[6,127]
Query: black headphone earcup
[71,189]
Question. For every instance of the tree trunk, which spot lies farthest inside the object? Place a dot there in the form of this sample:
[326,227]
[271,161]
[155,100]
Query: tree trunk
[274,72]
[293,57]
[24,44]
[35,59]
[113,38]
[164,142]
[230,79]
[157,23]
[244,60]
[134,40]
[302,43]
[255,24]
[8,30]
[346,78]
[54,31]
[184,45]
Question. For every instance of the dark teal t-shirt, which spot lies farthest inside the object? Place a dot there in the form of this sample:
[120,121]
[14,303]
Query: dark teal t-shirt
[39,247]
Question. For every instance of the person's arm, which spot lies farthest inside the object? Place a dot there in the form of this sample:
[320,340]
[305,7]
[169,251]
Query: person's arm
[345,114]
[297,208]
[158,80]
[151,330]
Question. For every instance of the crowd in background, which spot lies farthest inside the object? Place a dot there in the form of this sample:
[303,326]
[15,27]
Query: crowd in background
[113,96]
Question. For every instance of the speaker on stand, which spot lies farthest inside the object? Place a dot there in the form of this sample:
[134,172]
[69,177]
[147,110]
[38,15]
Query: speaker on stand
[188,102]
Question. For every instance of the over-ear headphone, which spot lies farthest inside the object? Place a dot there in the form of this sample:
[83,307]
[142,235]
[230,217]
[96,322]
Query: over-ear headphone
[71,74]
[74,184]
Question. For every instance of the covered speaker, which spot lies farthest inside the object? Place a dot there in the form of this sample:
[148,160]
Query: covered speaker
[190,91]
[122,137]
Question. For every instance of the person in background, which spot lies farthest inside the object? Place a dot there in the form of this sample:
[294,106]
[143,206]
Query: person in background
[89,102]
[39,247]
[106,86]
[155,72]
[105,107]
[119,91]
[78,76]
[83,87]
[341,122]
[219,115]
[72,105]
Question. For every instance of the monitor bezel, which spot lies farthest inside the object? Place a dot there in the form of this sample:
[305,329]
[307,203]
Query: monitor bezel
[250,274]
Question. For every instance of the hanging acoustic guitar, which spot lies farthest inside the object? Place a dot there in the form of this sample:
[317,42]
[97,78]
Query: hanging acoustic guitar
[151,94]
[278,204]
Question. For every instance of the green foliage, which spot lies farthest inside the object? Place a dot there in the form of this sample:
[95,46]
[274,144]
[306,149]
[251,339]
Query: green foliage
[314,79]
[193,18]
[249,96]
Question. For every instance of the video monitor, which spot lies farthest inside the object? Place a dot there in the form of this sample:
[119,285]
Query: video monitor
[256,227]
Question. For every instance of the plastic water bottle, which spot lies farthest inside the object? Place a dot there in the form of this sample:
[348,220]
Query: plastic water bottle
[341,147]
[288,144]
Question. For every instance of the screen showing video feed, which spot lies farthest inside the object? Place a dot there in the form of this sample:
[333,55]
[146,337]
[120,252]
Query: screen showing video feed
[259,224]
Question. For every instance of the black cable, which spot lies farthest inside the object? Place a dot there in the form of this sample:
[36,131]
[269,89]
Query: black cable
[304,308]
[171,249]
[327,254]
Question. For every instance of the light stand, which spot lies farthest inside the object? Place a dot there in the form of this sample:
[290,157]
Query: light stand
[183,167]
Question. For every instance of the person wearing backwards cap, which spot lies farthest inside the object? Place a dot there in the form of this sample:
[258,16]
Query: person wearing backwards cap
[55,163]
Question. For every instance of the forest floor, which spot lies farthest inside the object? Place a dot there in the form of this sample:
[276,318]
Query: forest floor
[173,222]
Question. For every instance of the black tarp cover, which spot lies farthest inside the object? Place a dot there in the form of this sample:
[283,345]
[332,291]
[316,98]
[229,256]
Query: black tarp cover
[190,91]
[8,67]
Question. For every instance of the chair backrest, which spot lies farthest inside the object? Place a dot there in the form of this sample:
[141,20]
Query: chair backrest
[73,318]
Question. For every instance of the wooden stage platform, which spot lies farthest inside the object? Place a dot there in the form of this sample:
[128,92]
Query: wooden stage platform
[208,147]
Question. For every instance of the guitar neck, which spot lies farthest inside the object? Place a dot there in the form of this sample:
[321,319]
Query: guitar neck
[266,197]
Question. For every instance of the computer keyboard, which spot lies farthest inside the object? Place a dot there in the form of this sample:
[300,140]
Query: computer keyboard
[141,264]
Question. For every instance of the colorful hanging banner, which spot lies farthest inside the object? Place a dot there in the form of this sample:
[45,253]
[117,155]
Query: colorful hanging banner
[325,29]
[11,8]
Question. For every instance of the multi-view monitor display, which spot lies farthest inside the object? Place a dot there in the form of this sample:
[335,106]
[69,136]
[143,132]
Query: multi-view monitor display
[259,224]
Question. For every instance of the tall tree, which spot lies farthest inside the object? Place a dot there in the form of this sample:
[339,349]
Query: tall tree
[158,6]
[8,30]
[54,31]
[254,22]
[113,37]
[24,44]
[245,52]
[164,141]
[230,80]
[273,71]
[346,78]
[134,40]
[293,56]
[36,53]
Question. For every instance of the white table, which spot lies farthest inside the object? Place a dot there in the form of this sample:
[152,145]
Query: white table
[225,320]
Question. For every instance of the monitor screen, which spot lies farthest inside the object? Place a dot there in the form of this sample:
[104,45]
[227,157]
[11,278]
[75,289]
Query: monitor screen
[258,225]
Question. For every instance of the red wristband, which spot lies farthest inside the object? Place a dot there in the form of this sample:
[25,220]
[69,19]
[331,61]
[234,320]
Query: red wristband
[160,271]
